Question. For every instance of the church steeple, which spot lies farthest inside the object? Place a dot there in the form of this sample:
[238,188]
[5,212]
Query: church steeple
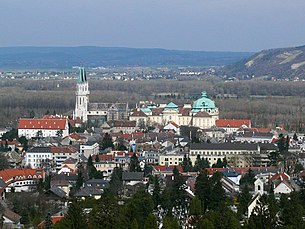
[82,75]
[82,95]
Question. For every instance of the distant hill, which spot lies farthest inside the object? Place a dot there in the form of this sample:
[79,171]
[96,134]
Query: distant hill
[279,63]
[66,57]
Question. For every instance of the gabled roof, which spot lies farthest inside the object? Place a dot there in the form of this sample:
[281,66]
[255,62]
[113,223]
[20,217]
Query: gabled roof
[58,192]
[138,113]
[280,176]
[132,176]
[50,124]
[88,191]
[7,175]
[232,123]
[14,217]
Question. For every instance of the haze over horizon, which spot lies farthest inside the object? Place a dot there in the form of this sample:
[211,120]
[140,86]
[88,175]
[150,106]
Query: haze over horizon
[199,25]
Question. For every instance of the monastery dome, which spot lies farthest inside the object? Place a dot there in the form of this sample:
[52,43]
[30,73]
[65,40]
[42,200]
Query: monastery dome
[204,103]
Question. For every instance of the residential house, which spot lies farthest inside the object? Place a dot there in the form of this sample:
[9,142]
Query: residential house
[89,148]
[11,219]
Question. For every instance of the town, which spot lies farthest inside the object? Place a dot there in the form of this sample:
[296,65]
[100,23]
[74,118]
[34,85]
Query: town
[107,165]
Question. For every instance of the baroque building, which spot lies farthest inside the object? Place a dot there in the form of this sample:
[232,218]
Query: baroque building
[202,113]
[95,114]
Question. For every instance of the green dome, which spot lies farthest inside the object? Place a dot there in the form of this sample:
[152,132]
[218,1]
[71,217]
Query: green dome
[171,106]
[204,103]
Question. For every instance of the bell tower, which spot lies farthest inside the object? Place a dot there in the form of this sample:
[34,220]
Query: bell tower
[82,96]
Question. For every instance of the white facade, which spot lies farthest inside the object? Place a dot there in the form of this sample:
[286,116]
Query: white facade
[89,149]
[82,96]
[38,158]
[170,159]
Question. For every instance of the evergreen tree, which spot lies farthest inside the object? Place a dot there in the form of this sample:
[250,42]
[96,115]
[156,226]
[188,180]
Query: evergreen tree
[244,199]
[116,182]
[134,164]
[205,224]
[48,224]
[217,197]
[178,194]
[187,164]
[75,218]
[170,223]
[134,224]
[218,164]
[151,222]
[105,214]
[295,137]
[80,180]
[203,188]
[156,192]
[106,142]
[97,158]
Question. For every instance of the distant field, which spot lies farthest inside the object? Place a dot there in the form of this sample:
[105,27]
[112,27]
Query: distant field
[67,57]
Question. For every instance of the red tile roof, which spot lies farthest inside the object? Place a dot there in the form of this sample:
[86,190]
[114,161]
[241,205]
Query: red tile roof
[67,149]
[103,157]
[138,113]
[233,123]
[13,142]
[8,175]
[164,168]
[55,219]
[51,124]
[280,176]
[184,111]
[156,111]
[202,114]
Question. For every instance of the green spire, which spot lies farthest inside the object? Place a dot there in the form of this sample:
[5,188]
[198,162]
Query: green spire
[82,75]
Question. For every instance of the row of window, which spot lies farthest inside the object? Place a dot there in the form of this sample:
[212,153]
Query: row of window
[220,153]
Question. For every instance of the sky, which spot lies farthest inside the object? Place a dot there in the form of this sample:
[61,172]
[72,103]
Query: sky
[201,25]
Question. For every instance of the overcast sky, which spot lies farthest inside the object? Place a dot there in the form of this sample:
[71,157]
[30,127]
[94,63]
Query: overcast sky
[206,25]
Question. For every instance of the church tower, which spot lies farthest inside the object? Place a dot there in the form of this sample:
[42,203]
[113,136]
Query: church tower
[82,96]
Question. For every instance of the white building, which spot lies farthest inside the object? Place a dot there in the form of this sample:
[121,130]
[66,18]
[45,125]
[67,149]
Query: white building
[89,148]
[95,114]
[52,157]
[202,113]
[49,126]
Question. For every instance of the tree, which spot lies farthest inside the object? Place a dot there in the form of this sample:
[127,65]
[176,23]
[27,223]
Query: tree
[151,222]
[244,199]
[80,180]
[170,223]
[295,137]
[134,164]
[205,224]
[218,164]
[116,182]
[106,142]
[75,217]
[139,206]
[187,164]
[178,194]
[203,188]
[4,164]
[48,224]
[217,197]
[156,192]
[106,213]
[263,216]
